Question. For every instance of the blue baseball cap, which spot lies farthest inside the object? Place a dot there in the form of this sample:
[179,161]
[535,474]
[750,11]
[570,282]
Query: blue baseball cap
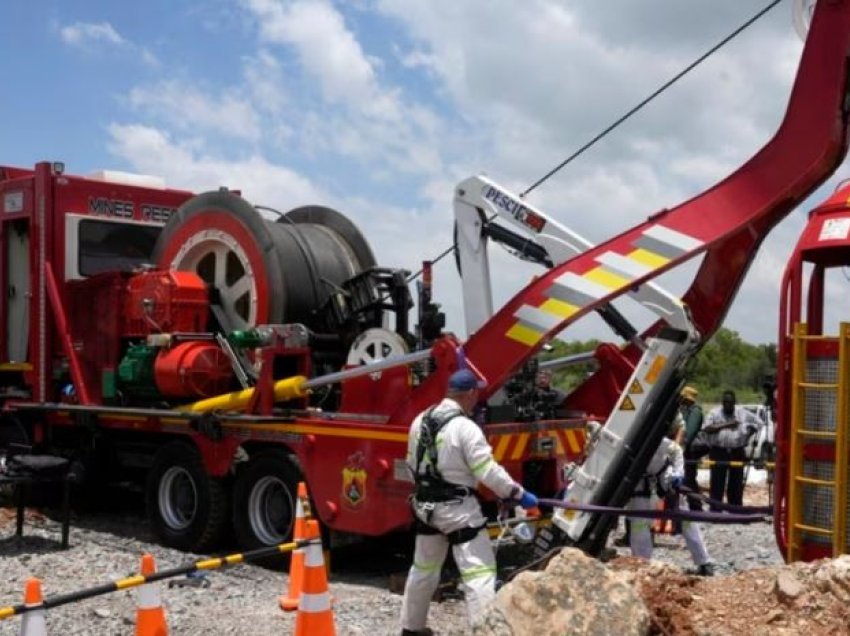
[464,380]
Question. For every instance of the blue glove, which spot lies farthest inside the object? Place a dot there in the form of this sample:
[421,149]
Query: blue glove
[676,482]
[528,500]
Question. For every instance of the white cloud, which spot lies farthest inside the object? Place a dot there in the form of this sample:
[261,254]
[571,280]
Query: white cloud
[185,106]
[82,33]
[90,35]
[357,116]
[185,165]
[324,46]
[266,82]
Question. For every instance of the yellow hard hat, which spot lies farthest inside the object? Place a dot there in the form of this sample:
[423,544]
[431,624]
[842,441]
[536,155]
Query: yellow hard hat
[689,393]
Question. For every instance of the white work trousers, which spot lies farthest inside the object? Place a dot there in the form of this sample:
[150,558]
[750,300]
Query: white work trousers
[640,535]
[477,564]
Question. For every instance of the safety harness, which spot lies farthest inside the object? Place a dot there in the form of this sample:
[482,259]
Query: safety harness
[645,485]
[430,487]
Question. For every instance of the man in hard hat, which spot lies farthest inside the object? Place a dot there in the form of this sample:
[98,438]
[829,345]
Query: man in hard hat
[692,415]
[449,456]
[665,472]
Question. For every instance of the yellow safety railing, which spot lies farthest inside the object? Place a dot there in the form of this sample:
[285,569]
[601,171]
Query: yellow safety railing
[797,479]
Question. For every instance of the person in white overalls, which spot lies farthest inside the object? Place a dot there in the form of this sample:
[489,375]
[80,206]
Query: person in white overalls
[449,456]
[666,470]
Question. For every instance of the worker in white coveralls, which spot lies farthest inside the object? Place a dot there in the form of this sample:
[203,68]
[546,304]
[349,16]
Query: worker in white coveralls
[666,471]
[449,455]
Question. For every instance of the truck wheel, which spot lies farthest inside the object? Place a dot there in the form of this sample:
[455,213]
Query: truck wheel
[264,497]
[187,508]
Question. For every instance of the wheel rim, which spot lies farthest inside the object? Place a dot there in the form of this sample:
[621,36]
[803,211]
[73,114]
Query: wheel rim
[270,507]
[221,261]
[178,498]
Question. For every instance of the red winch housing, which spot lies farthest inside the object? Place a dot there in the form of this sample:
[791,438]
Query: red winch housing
[163,301]
[191,369]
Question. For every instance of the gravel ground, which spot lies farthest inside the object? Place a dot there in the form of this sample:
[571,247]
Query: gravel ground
[243,599]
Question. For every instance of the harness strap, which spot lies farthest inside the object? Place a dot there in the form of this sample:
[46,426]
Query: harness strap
[456,537]
[428,431]
[646,481]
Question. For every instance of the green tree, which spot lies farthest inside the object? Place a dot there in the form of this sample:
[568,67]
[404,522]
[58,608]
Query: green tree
[569,377]
[724,362]
[727,362]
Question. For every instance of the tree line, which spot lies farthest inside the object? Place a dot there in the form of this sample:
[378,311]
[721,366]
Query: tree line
[726,361]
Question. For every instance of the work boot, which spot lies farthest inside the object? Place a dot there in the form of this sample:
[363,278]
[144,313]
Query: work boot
[427,631]
[706,569]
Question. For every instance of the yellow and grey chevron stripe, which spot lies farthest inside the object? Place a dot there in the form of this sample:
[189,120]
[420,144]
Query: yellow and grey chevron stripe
[570,292]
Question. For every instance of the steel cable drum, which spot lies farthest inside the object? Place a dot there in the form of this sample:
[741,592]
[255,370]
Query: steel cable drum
[319,249]
[263,271]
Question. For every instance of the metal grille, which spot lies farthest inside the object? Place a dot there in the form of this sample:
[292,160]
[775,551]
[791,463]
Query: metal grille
[820,414]
[821,404]
[817,500]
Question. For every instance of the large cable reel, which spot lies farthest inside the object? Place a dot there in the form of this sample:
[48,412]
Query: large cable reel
[263,271]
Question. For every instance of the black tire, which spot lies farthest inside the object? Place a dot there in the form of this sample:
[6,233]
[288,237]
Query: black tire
[186,507]
[264,498]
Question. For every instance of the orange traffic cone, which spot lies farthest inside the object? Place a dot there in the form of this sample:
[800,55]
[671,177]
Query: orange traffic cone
[33,623]
[662,526]
[150,616]
[315,616]
[658,523]
[289,601]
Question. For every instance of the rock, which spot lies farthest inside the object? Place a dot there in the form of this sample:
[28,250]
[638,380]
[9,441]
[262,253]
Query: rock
[834,576]
[574,595]
[787,587]
[775,615]
[102,613]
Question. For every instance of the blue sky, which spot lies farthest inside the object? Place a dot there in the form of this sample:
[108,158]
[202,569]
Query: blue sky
[378,107]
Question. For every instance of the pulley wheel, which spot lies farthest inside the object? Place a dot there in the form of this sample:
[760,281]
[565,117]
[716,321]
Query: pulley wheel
[374,345]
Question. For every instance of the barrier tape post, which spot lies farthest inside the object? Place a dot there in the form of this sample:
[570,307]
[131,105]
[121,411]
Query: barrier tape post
[34,622]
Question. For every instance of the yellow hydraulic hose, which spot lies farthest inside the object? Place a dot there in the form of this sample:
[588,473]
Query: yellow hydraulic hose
[286,389]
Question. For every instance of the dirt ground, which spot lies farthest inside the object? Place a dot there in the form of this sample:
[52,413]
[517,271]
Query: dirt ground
[810,599]
[745,603]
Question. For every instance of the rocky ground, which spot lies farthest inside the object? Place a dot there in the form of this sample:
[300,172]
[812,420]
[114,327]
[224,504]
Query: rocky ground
[243,599]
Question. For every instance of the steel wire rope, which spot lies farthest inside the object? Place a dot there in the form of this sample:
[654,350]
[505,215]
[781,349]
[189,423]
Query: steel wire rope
[655,94]
[617,123]
[631,112]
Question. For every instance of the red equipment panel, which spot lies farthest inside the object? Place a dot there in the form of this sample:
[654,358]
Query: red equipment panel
[97,326]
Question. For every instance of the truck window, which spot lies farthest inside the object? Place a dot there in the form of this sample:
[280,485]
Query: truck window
[108,246]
